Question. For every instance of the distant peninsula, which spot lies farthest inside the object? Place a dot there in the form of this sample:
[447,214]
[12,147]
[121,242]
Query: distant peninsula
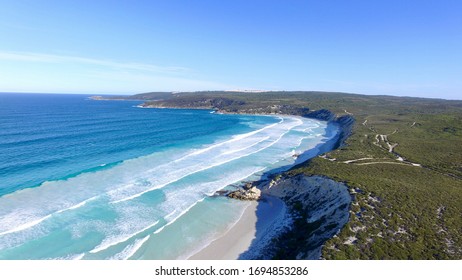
[399,157]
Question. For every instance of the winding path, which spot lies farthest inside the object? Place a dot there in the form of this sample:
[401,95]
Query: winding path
[389,146]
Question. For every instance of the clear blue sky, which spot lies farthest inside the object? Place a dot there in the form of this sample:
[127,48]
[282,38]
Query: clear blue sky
[411,48]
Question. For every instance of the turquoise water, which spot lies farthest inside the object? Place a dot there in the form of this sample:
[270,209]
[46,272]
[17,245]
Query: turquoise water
[85,179]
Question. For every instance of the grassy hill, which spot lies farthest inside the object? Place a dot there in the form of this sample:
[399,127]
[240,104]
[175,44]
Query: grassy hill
[402,163]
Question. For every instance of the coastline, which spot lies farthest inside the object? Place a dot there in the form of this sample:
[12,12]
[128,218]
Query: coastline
[245,239]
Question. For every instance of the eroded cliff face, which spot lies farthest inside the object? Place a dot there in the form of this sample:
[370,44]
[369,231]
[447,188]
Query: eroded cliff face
[320,208]
[346,124]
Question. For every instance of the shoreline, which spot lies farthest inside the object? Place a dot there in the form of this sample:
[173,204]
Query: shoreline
[233,242]
[260,221]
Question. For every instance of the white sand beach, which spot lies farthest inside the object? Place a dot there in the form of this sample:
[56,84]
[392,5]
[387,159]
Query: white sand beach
[255,220]
[230,245]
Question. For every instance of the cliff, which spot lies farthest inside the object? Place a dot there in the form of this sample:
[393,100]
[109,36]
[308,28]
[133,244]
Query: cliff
[346,124]
[318,207]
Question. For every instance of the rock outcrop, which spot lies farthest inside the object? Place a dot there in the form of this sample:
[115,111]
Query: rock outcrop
[252,193]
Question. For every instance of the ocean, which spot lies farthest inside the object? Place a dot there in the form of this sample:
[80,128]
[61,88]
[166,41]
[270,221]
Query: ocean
[87,179]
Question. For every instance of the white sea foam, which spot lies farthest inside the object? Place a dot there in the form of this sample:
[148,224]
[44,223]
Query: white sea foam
[181,173]
[211,186]
[178,216]
[33,223]
[246,147]
[78,257]
[114,240]
[70,257]
[173,165]
[130,250]
[234,139]
[25,225]
[78,205]
[194,172]
[170,214]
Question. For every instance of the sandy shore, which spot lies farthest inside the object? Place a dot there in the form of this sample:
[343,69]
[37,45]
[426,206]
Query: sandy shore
[230,245]
[254,221]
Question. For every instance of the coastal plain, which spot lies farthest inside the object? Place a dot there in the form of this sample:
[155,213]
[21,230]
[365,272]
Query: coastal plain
[399,157]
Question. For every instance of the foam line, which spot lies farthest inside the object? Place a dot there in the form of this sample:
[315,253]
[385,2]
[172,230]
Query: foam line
[245,148]
[38,221]
[78,205]
[170,214]
[78,257]
[177,217]
[26,225]
[131,249]
[234,139]
[105,245]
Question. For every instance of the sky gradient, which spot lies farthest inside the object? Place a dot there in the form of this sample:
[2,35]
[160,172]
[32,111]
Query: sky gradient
[405,48]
